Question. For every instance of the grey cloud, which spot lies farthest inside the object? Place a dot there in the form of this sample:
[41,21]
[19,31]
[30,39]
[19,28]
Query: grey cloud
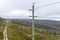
[7,6]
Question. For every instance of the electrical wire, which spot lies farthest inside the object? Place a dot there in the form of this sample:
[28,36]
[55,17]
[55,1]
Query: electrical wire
[48,5]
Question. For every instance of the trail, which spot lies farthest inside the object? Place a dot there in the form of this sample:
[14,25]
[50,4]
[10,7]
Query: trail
[5,32]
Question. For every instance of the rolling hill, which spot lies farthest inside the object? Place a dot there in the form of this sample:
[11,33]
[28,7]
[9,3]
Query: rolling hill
[21,30]
[46,24]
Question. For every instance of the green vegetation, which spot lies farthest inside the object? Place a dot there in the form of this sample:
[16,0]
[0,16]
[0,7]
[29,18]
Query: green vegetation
[1,35]
[22,32]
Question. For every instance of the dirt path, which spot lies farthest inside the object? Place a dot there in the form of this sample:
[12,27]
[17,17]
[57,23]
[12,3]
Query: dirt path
[5,31]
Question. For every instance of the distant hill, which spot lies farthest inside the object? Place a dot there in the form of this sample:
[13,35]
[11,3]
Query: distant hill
[1,18]
[50,25]
[18,31]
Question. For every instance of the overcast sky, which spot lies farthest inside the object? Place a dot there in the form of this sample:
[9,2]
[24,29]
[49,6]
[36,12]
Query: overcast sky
[20,9]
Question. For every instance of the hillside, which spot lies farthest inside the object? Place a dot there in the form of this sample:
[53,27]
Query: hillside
[23,32]
[46,24]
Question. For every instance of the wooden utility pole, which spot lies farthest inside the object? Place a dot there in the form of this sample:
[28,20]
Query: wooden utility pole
[33,21]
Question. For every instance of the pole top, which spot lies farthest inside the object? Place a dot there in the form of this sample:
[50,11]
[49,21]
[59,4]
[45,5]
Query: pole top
[33,3]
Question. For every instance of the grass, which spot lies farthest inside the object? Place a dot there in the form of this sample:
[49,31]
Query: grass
[21,32]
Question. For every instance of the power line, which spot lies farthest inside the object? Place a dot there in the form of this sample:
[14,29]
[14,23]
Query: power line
[48,4]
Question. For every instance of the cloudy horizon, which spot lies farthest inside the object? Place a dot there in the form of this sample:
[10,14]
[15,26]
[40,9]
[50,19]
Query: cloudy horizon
[20,9]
